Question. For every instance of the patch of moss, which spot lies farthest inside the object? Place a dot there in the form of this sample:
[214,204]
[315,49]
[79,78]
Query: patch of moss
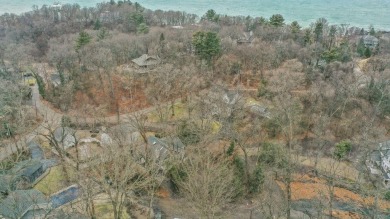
[105,211]
[53,182]
[215,127]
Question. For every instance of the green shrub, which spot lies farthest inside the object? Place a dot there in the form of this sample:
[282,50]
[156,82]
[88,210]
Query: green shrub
[387,196]
[176,175]
[272,155]
[239,172]
[256,180]
[189,133]
[230,150]
[342,148]
[272,128]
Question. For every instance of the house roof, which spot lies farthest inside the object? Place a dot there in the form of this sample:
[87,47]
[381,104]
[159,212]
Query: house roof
[105,139]
[375,156]
[5,181]
[384,145]
[55,79]
[65,196]
[247,38]
[35,151]
[123,134]
[47,163]
[170,143]
[243,40]
[146,60]
[259,110]
[370,38]
[231,97]
[161,146]
[26,168]
[19,202]
[174,143]
[65,136]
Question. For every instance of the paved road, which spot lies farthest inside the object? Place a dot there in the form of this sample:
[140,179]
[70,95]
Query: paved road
[53,119]
[48,114]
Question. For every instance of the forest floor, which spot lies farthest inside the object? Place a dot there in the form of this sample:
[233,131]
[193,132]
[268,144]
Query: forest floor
[34,120]
[306,189]
[340,168]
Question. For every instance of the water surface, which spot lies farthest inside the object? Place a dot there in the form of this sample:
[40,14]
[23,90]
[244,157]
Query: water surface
[360,13]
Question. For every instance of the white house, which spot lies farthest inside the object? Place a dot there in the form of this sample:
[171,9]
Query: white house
[379,162]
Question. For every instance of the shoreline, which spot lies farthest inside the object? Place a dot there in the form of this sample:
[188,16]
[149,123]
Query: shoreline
[304,22]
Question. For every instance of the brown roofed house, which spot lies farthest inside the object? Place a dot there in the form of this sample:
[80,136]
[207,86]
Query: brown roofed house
[146,61]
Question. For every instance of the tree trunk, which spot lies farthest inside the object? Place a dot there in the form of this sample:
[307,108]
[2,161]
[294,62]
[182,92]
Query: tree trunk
[173,107]
[331,197]
[247,175]
[288,195]
[112,95]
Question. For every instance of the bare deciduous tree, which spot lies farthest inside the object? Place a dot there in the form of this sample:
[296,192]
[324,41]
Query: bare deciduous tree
[120,172]
[208,183]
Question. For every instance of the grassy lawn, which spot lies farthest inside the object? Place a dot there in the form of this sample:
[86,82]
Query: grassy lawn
[105,211]
[47,149]
[211,125]
[215,127]
[251,101]
[52,182]
[180,112]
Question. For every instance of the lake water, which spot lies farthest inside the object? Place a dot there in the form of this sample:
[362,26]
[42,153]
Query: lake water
[359,13]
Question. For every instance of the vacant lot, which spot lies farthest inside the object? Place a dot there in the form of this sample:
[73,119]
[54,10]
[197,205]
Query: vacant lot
[331,166]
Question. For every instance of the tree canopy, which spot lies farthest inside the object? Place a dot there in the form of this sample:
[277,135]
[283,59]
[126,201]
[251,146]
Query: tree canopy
[83,39]
[211,15]
[276,20]
[207,45]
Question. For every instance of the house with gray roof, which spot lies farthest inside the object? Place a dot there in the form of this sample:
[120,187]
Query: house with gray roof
[35,151]
[65,136]
[22,176]
[55,79]
[222,101]
[28,169]
[5,184]
[378,162]
[146,61]
[65,196]
[370,41]
[24,204]
[231,97]
[24,173]
[247,38]
[163,146]
[259,110]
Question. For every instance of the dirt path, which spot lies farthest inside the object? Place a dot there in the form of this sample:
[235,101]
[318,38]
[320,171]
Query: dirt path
[362,78]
